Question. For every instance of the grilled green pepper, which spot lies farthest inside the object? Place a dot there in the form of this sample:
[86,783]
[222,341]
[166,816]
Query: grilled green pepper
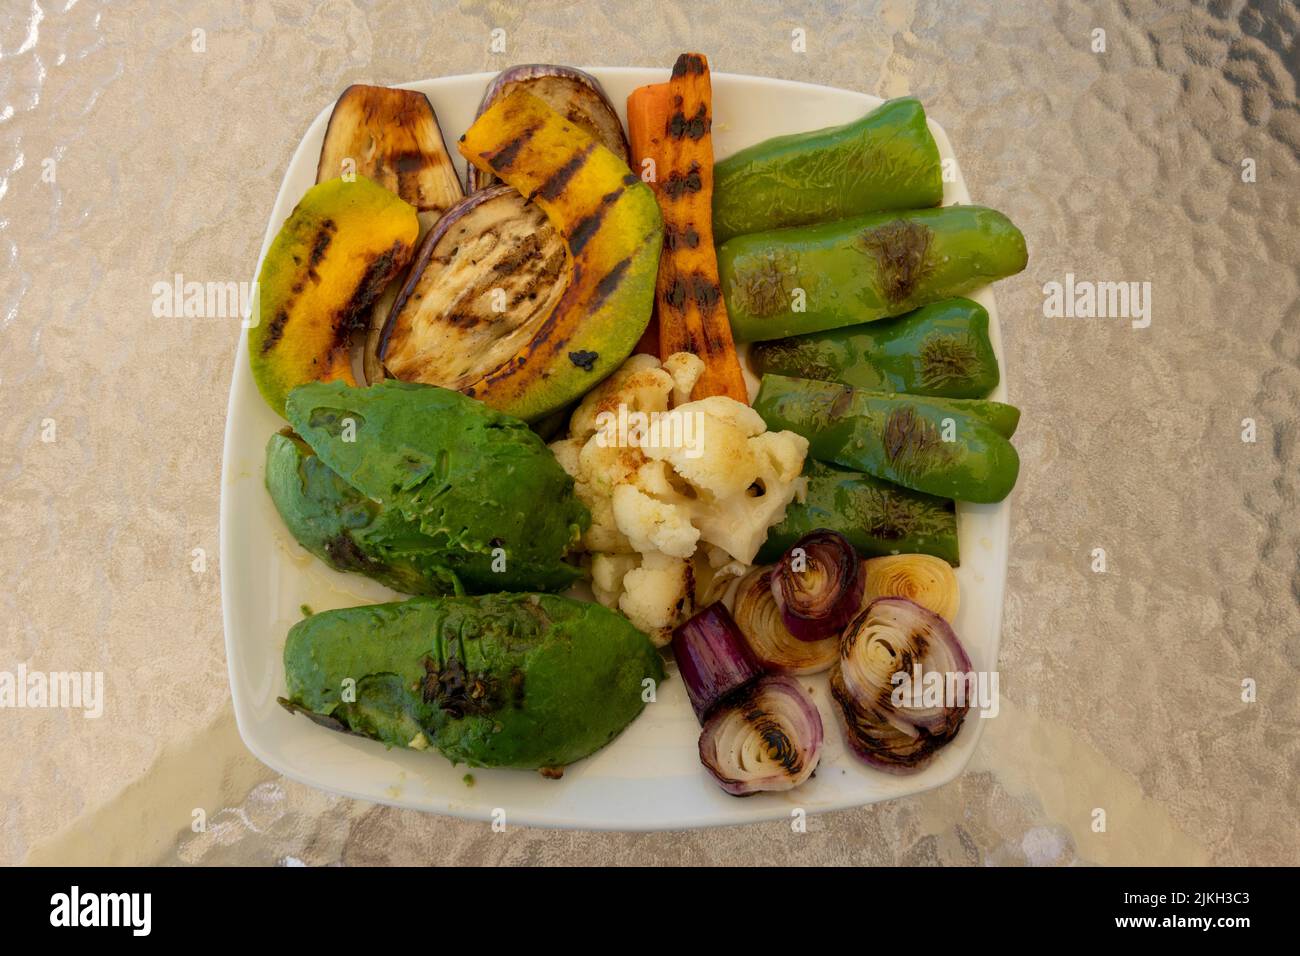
[886,160]
[504,680]
[941,349]
[944,447]
[350,531]
[877,517]
[811,278]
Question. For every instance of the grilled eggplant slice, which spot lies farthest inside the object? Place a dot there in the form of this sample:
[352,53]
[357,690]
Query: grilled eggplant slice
[527,304]
[393,137]
[495,249]
[575,95]
[342,244]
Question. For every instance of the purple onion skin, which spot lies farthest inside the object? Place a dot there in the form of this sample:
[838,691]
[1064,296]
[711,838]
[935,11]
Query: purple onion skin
[713,657]
[533,71]
[803,755]
[880,742]
[842,607]
[425,253]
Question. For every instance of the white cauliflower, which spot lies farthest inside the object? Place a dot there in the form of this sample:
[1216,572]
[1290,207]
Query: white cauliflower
[658,595]
[663,475]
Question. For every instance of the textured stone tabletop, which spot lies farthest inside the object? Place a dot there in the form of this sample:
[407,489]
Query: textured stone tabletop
[138,141]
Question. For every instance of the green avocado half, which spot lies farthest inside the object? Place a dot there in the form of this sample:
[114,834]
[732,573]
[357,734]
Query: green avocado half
[420,487]
[347,530]
[530,681]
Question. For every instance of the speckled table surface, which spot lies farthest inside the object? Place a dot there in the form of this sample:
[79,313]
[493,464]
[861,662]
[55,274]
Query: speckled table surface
[129,154]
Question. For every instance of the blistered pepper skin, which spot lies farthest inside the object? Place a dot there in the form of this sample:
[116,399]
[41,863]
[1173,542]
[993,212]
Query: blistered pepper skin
[942,349]
[943,447]
[812,278]
[877,517]
[888,159]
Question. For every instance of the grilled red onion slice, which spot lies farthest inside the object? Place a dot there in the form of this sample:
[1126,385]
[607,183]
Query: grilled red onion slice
[768,738]
[893,725]
[779,651]
[818,585]
[713,658]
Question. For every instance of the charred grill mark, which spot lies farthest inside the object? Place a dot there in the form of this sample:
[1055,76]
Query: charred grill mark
[351,316]
[610,282]
[705,292]
[675,296]
[680,237]
[346,555]
[503,158]
[695,127]
[528,249]
[688,64]
[319,244]
[274,331]
[890,520]
[775,739]
[458,691]
[555,183]
[590,225]
[899,248]
[679,184]
[910,437]
[695,288]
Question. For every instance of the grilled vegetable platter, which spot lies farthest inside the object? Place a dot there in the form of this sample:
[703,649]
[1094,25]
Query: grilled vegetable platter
[608,413]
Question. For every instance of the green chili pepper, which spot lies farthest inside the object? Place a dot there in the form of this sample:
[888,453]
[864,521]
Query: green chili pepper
[944,447]
[877,517]
[886,160]
[941,349]
[812,278]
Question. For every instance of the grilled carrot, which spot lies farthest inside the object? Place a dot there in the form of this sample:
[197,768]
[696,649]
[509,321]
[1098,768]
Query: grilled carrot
[671,123]
[647,124]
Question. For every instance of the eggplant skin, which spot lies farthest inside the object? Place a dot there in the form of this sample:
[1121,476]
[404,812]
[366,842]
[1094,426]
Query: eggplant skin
[346,529]
[574,94]
[341,245]
[613,233]
[392,137]
[445,327]
[528,681]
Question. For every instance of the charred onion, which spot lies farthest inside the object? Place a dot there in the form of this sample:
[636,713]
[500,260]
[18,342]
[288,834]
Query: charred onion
[768,738]
[899,667]
[923,578]
[818,585]
[713,658]
[759,619]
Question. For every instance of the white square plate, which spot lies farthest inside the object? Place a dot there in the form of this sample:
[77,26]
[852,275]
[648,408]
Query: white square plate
[648,778]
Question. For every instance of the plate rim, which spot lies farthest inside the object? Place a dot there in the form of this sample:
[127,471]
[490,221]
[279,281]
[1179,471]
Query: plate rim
[748,811]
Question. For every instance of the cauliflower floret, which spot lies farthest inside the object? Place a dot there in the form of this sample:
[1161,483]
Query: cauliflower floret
[607,572]
[658,595]
[685,369]
[704,473]
[784,452]
[729,410]
[714,456]
[739,524]
[639,384]
[603,535]
[652,525]
[566,452]
[604,465]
